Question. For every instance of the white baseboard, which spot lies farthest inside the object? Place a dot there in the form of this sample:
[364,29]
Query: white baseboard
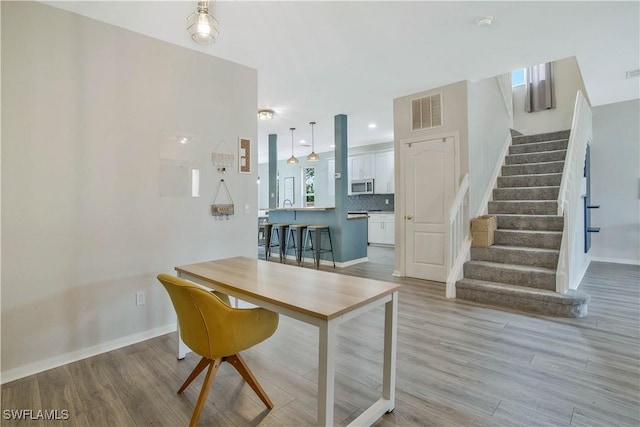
[74,356]
[345,264]
[306,261]
[616,260]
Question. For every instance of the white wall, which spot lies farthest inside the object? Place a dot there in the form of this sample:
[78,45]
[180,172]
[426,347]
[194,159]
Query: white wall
[489,128]
[568,81]
[86,108]
[615,182]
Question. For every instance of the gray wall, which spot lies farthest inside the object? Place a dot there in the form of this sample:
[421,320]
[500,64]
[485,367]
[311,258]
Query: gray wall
[615,182]
[86,109]
[568,80]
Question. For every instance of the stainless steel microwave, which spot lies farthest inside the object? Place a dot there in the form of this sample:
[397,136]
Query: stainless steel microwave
[362,186]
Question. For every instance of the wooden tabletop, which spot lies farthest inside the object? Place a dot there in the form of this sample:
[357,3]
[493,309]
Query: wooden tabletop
[320,294]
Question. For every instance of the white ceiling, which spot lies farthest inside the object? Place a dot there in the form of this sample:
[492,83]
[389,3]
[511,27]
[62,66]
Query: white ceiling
[319,59]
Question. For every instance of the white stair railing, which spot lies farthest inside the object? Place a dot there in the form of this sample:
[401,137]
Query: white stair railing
[569,205]
[458,235]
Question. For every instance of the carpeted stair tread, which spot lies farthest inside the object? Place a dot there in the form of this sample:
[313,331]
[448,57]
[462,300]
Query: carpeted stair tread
[535,180]
[540,157]
[513,274]
[526,193]
[519,255]
[528,238]
[530,222]
[540,137]
[570,304]
[533,168]
[537,147]
[523,207]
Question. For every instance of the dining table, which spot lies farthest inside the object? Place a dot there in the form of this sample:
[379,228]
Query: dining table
[320,298]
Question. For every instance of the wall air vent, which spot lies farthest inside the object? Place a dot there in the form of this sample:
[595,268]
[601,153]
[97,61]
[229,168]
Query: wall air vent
[633,74]
[426,112]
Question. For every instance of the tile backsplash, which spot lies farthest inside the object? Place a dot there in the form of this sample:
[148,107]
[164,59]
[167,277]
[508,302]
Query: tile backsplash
[370,202]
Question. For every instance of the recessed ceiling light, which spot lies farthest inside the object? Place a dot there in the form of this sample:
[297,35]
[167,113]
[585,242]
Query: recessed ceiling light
[372,126]
[484,21]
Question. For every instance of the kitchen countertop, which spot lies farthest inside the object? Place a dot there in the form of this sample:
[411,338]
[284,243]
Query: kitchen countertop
[291,209]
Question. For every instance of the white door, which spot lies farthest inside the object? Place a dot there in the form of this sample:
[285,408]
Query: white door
[429,177]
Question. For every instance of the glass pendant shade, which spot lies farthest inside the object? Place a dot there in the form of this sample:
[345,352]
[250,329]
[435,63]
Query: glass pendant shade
[312,157]
[202,27]
[292,160]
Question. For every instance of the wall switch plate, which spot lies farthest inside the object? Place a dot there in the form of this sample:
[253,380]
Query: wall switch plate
[246,208]
[337,175]
[386,201]
[140,298]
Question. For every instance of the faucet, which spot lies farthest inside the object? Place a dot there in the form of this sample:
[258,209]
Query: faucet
[284,204]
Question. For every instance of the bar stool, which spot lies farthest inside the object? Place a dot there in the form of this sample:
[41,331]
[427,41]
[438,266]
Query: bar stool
[316,248]
[294,241]
[278,235]
[265,229]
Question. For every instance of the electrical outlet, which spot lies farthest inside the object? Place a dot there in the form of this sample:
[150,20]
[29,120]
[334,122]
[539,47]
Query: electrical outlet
[247,209]
[386,201]
[140,298]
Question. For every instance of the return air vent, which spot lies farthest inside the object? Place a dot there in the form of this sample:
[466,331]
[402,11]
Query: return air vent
[633,74]
[426,112]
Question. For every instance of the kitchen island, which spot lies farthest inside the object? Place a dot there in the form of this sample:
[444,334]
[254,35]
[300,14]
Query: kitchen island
[348,232]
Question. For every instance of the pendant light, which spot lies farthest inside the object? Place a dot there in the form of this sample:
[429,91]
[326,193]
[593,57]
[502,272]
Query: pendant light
[292,160]
[312,157]
[202,27]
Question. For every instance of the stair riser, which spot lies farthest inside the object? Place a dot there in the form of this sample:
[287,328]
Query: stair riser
[538,280]
[549,193]
[551,156]
[532,169]
[537,147]
[528,240]
[514,256]
[551,223]
[525,304]
[524,207]
[551,136]
[530,181]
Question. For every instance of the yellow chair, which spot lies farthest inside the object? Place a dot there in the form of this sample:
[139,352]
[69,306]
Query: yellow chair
[218,332]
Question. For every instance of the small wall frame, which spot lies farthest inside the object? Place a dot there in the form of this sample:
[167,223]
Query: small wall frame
[244,155]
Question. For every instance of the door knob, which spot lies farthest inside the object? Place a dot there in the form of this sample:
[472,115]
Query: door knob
[409,217]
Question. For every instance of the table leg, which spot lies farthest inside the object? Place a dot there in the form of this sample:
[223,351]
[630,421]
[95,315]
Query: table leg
[326,373]
[182,347]
[299,246]
[390,347]
[283,239]
[267,242]
[318,242]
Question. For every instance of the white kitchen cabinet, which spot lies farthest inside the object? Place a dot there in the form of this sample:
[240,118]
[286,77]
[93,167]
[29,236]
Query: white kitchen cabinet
[384,177]
[382,228]
[361,166]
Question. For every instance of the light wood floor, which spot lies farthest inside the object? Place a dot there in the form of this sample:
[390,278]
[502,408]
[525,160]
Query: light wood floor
[459,364]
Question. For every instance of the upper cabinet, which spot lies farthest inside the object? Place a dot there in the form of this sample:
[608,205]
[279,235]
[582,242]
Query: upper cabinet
[361,166]
[384,176]
[376,165]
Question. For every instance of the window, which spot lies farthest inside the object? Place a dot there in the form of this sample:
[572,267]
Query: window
[309,188]
[517,77]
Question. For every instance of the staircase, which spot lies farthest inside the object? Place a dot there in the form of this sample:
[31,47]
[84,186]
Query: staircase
[519,270]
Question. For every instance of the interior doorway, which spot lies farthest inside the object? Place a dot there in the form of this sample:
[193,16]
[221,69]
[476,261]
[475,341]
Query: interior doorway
[429,172]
